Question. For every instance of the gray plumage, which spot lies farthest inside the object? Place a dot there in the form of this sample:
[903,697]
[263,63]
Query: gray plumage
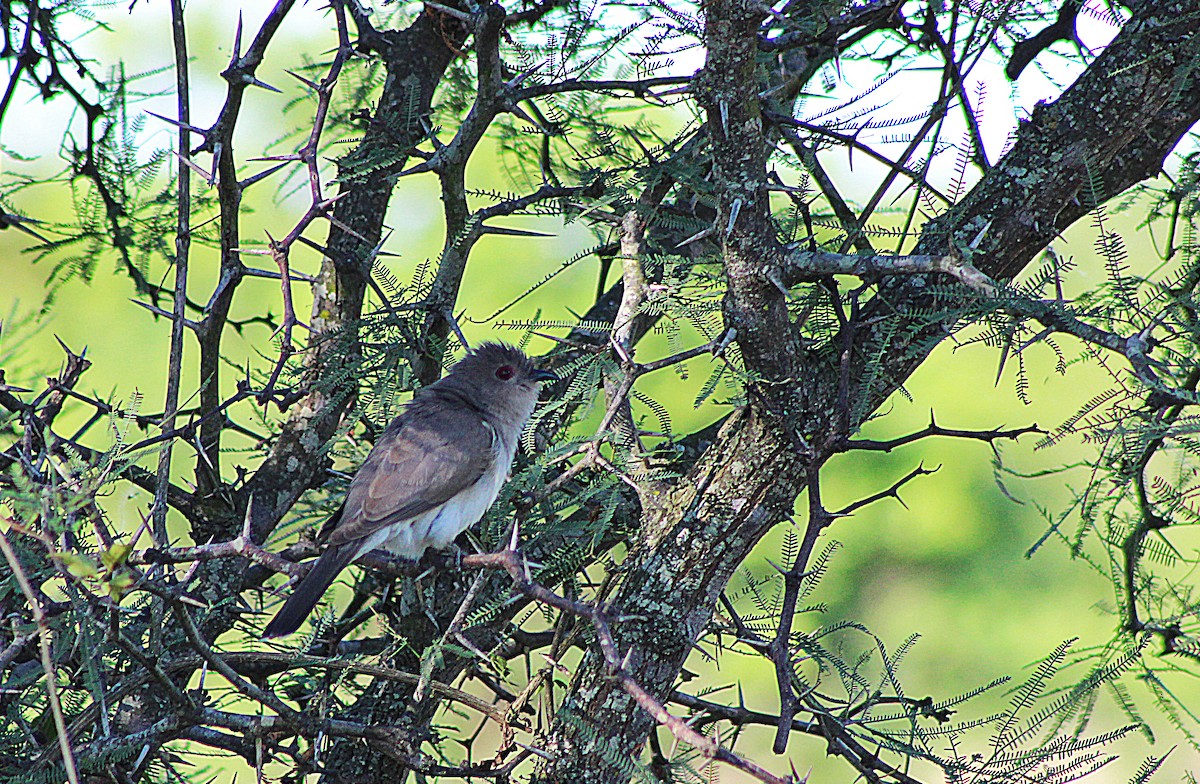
[432,474]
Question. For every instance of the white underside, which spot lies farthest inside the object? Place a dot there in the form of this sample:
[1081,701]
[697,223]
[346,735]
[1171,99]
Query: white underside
[441,525]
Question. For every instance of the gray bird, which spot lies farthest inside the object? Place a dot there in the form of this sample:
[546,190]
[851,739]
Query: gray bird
[432,474]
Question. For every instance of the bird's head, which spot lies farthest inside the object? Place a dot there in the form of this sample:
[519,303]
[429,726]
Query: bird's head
[501,379]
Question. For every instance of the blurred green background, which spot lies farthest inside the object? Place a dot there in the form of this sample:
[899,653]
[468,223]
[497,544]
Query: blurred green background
[949,563]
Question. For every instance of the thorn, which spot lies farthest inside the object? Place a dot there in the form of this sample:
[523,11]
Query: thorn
[12,220]
[524,115]
[307,82]
[783,188]
[697,236]
[431,133]
[188,162]
[423,166]
[773,277]
[728,338]
[458,333]
[526,747]
[64,347]
[262,175]
[500,230]
[620,348]
[218,148]
[974,244]
[523,75]
[165,314]
[548,336]
[256,82]
[734,211]
[246,522]
[237,43]
[178,124]
[323,206]
[1045,333]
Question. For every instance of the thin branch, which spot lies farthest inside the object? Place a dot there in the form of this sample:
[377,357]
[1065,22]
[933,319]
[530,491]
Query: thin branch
[183,231]
[806,265]
[934,429]
[779,650]
[851,142]
[640,88]
[241,547]
[891,492]
[49,670]
[512,562]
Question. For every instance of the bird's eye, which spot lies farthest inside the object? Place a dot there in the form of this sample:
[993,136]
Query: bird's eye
[505,372]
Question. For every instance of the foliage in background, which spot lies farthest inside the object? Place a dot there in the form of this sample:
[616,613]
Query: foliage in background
[721,226]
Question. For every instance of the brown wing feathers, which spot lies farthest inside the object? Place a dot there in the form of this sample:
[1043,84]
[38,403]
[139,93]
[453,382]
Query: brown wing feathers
[439,449]
[413,468]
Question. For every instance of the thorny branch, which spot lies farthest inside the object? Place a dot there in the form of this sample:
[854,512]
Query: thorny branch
[510,560]
[49,671]
[691,201]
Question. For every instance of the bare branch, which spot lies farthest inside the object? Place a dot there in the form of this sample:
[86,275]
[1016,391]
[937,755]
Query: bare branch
[512,562]
[49,671]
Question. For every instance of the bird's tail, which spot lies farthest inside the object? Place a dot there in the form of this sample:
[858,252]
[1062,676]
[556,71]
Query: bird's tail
[311,589]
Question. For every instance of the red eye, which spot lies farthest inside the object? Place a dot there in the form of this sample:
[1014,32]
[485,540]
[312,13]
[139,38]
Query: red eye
[505,372]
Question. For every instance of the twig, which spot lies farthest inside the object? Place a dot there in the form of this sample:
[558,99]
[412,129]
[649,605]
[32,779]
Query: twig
[779,651]
[512,562]
[934,429]
[213,659]
[48,667]
[937,113]
[803,265]
[851,141]
[183,240]
[455,625]
[14,648]
[891,492]
[641,88]
[243,545]
[239,547]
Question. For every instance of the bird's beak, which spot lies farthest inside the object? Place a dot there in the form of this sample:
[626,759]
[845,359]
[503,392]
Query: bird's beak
[544,375]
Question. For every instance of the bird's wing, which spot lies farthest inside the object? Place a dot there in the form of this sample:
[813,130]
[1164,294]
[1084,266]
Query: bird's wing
[422,460]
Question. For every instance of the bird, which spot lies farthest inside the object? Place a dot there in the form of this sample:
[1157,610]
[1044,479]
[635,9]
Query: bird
[433,472]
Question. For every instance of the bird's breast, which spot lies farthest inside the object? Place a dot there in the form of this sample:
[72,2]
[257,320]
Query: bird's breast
[441,525]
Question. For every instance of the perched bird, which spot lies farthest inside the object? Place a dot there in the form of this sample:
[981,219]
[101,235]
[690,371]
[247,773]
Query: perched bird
[432,474]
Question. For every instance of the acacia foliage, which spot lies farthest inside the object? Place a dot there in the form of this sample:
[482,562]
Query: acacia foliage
[803,299]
